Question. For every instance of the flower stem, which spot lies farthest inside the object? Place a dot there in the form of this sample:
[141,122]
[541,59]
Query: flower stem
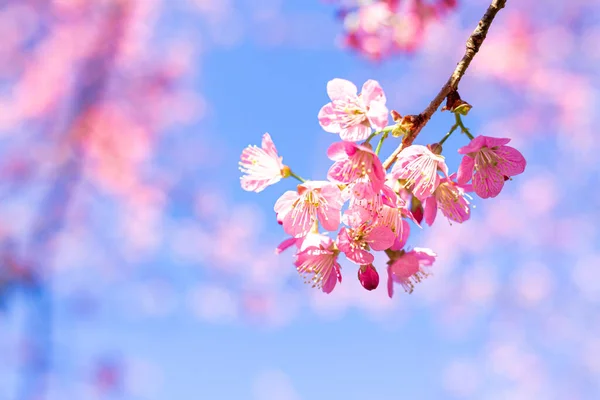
[301,179]
[450,132]
[385,130]
[370,137]
[474,43]
[463,128]
[378,148]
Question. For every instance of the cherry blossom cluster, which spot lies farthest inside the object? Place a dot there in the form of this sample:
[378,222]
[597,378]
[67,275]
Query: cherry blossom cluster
[380,28]
[369,207]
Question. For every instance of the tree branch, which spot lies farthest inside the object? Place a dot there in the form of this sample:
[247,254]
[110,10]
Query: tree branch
[473,44]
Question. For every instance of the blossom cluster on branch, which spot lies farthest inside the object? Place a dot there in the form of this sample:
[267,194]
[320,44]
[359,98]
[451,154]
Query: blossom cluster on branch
[374,206]
[379,28]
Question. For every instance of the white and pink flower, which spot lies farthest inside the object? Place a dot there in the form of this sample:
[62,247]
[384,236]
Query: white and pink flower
[352,115]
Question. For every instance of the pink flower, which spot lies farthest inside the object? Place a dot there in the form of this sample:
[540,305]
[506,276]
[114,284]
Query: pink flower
[353,116]
[357,166]
[313,201]
[357,242]
[368,277]
[392,216]
[408,269]
[287,243]
[317,262]
[489,162]
[263,167]
[418,167]
[450,198]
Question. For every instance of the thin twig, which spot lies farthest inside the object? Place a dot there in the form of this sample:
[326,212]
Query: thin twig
[473,44]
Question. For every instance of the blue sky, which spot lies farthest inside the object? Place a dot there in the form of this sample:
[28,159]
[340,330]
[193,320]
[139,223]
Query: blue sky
[464,333]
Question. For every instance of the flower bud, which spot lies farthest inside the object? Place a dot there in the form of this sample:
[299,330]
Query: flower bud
[286,172]
[396,116]
[417,209]
[368,277]
[435,148]
[456,105]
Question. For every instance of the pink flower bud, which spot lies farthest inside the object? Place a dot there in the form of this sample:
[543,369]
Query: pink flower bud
[368,277]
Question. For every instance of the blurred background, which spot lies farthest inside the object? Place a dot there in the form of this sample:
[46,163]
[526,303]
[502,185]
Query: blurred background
[132,265]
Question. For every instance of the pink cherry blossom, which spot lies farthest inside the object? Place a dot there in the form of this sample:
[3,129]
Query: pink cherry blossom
[287,243]
[489,162]
[313,201]
[262,166]
[393,216]
[418,167]
[368,209]
[368,277]
[451,199]
[358,166]
[408,269]
[357,242]
[353,115]
[317,262]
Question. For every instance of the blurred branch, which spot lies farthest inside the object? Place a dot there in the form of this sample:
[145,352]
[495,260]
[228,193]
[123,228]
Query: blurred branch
[473,44]
[93,78]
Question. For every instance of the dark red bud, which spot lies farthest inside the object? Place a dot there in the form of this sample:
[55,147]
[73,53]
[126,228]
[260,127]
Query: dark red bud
[417,212]
[368,277]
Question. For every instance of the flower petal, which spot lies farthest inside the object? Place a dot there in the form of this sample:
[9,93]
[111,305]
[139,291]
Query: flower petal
[513,163]
[340,89]
[372,92]
[465,170]
[473,146]
[488,183]
[380,238]
[355,133]
[430,210]
[328,119]
[378,115]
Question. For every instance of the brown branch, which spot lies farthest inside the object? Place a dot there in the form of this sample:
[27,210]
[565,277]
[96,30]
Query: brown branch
[473,44]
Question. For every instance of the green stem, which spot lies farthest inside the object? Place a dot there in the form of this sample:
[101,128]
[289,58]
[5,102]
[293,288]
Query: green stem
[463,128]
[448,134]
[378,148]
[387,129]
[370,137]
[301,179]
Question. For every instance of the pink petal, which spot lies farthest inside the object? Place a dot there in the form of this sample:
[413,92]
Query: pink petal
[426,256]
[330,283]
[355,133]
[489,183]
[380,238]
[430,210]
[268,145]
[443,167]
[343,240]
[465,170]
[341,150]
[378,115]
[473,146]
[328,119]
[513,161]
[340,89]
[340,171]
[286,244]
[424,186]
[284,204]
[360,257]
[390,283]
[372,92]
[329,218]
[495,142]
